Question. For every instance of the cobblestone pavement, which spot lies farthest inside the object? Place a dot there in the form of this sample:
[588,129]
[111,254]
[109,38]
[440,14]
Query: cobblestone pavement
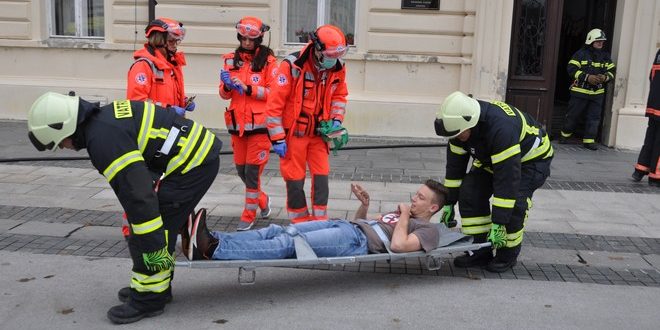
[609,258]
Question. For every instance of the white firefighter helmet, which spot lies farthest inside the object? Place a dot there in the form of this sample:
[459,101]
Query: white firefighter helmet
[52,118]
[457,114]
[595,35]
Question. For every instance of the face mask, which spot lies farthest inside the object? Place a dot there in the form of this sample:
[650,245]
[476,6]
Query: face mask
[328,63]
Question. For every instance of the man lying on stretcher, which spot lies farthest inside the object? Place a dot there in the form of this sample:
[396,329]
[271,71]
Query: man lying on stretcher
[408,229]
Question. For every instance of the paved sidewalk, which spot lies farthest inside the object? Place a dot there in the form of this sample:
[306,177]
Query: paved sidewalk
[589,225]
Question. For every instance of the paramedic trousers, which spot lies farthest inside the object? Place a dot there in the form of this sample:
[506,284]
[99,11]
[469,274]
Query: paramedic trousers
[578,105]
[474,204]
[178,195]
[330,238]
[302,152]
[649,157]
[250,157]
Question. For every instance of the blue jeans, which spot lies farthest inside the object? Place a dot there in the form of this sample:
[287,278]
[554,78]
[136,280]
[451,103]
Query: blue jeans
[334,238]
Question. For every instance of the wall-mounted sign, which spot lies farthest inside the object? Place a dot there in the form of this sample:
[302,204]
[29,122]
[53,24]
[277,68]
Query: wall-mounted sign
[420,4]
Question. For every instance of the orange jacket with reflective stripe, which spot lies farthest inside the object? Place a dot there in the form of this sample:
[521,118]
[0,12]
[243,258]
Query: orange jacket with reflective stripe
[247,113]
[300,89]
[153,78]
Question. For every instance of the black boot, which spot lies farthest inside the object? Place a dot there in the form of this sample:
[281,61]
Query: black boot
[479,258]
[654,183]
[125,313]
[637,176]
[505,258]
[125,293]
[590,146]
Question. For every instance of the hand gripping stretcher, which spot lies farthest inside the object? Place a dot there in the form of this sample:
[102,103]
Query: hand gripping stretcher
[450,242]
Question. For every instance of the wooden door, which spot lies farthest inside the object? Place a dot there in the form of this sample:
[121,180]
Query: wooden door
[533,59]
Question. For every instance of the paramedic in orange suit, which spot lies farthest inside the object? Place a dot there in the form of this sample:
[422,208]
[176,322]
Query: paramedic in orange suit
[245,79]
[157,73]
[310,88]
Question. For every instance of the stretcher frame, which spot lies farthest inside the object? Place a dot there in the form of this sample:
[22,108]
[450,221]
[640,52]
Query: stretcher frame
[305,256]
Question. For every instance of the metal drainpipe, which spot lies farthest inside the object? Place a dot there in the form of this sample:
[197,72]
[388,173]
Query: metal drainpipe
[152,10]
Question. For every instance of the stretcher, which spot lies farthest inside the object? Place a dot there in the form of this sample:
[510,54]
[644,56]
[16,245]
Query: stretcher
[450,242]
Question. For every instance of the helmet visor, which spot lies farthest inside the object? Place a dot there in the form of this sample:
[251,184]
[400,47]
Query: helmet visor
[441,131]
[37,144]
[176,33]
[336,52]
[248,30]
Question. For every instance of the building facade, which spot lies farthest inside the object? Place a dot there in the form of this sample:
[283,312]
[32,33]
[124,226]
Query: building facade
[401,64]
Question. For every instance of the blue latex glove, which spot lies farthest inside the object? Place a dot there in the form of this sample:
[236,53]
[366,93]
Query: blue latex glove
[336,123]
[226,79]
[191,106]
[179,110]
[238,88]
[280,148]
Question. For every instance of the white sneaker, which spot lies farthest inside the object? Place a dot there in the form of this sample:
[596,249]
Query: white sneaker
[265,213]
[244,225]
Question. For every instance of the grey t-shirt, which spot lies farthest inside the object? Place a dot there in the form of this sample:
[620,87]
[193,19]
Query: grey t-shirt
[426,232]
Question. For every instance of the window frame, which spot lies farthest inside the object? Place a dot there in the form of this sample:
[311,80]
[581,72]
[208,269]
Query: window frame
[320,20]
[79,5]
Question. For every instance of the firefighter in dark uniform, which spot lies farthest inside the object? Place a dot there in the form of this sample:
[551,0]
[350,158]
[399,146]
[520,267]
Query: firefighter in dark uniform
[591,67]
[511,155]
[648,162]
[126,141]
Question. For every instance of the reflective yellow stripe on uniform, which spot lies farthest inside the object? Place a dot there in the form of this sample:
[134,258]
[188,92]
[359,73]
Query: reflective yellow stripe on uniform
[587,91]
[456,149]
[514,239]
[145,125]
[545,145]
[506,203]
[476,230]
[120,163]
[148,226]
[478,164]
[576,63]
[526,129]
[201,153]
[158,282]
[504,155]
[188,145]
[476,225]
[449,183]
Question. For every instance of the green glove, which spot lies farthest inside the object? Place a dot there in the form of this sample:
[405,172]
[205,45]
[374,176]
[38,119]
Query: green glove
[336,134]
[497,235]
[447,216]
[158,260]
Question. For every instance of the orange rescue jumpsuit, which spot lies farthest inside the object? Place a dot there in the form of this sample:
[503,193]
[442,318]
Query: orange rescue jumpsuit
[302,97]
[246,122]
[155,79]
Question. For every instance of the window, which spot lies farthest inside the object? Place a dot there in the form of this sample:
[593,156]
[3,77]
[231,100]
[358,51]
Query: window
[77,18]
[304,16]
